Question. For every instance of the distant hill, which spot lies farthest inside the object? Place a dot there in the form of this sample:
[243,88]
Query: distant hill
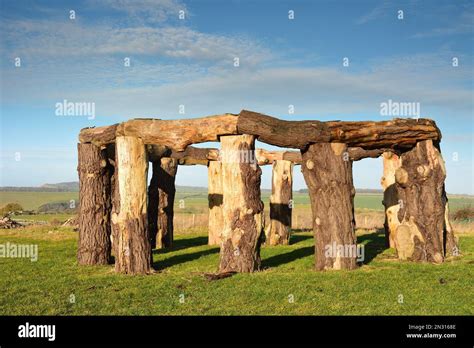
[363,190]
[72,186]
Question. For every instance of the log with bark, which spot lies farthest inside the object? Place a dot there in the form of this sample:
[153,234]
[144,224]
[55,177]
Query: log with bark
[328,175]
[396,134]
[195,155]
[178,134]
[215,198]
[94,205]
[242,206]
[423,233]
[391,162]
[161,193]
[278,230]
[133,244]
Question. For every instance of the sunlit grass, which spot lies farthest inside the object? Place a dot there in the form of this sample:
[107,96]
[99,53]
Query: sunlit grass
[49,285]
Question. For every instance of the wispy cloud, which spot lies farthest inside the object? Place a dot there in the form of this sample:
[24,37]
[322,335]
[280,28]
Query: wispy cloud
[379,11]
[462,25]
[44,38]
[144,11]
[328,91]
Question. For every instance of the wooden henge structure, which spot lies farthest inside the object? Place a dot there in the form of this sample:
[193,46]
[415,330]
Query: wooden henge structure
[121,214]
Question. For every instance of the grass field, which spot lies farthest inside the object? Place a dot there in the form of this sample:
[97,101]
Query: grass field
[381,286]
[55,284]
[197,199]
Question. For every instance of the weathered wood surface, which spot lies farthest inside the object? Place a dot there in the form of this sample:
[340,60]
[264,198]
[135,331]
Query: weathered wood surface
[178,134]
[133,245]
[329,179]
[391,162]
[269,157]
[195,155]
[98,135]
[242,206]
[215,199]
[278,230]
[395,134]
[94,205]
[451,244]
[166,193]
[422,234]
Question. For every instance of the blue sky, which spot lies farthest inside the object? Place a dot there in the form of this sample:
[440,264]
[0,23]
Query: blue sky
[190,62]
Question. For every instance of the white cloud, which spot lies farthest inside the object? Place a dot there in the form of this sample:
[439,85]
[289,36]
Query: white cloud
[379,11]
[313,91]
[144,11]
[48,39]
[464,24]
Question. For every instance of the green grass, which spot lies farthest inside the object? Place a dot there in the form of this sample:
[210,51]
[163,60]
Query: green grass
[195,201]
[45,286]
[43,217]
[32,200]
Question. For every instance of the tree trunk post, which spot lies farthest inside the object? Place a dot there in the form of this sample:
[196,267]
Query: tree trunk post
[215,198]
[242,206]
[94,205]
[391,162]
[166,193]
[130,213]
[327,170]
[278,231]
[451,245]
[153,203]
[424,232]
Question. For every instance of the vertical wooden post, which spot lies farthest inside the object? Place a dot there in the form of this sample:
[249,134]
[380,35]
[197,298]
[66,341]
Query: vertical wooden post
[133,245]
[242,206]
[391,162]
[424,233]
[166,185]
[278,231]
[153,203]
[94,205]
[451,245]
[215,199]
[327,170]
[161,193]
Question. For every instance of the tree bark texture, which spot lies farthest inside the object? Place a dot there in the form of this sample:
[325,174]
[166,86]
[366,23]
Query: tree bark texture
[424,231]
[215,198]
[133,244]
[166,175]
[391,162]
[94,205]
[328,175]
[242,206]
[278,231]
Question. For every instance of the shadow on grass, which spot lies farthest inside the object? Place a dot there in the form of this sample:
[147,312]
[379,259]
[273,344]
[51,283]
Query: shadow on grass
[183,244]
[374,244]
[297,238]
[293,255]
[179,259]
